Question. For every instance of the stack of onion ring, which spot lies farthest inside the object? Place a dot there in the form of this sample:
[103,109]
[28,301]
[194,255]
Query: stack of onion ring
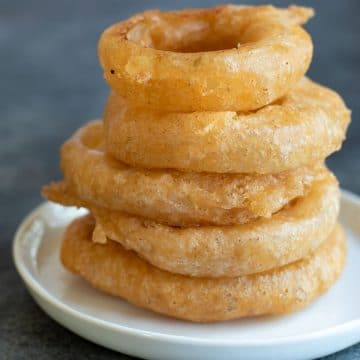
[208,195]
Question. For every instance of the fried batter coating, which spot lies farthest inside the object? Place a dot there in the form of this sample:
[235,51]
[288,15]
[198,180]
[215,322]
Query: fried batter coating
[223,58]
[301,129]
[224,251]
[120,272]
[174,197]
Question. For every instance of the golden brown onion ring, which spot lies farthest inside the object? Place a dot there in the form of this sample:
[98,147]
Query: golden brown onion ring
[301,129]
[113,269]
[224,58]
[174,197]
[218,251]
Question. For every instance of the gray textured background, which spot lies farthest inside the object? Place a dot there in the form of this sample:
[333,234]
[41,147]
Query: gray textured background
[50,84]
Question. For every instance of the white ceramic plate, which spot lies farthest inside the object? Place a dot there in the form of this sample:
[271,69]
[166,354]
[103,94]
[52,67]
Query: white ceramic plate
[328,325]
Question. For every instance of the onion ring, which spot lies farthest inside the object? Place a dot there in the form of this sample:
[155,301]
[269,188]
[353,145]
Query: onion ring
[224,58]
[300,129]
[218,251]
[174,197]
[114,270]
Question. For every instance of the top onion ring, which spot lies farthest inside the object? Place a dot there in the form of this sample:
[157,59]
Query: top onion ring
[230,57]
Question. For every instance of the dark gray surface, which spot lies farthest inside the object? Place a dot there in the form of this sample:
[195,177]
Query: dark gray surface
[50,84]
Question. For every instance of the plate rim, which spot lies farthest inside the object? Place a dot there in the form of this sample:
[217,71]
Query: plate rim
[33,285]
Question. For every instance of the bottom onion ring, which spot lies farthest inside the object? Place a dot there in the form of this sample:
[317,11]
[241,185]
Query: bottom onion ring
[217,251]
[173,197]
[119,272]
